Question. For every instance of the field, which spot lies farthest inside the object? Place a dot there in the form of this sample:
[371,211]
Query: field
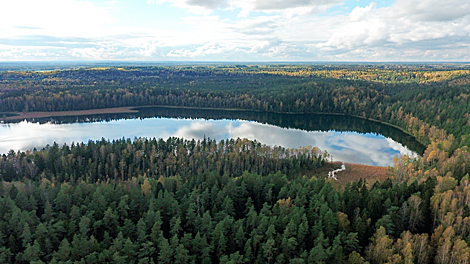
[354,172]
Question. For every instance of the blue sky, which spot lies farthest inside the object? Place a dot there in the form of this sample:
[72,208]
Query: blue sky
[235,30]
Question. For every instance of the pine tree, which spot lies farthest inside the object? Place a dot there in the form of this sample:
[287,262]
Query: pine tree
[64,251]
[165,251]
[32,253]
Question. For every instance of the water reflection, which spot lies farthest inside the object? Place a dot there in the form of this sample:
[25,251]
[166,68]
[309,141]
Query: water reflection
[364,148]
[309,122]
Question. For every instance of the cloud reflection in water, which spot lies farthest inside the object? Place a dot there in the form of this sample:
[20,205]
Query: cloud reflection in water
[368,149]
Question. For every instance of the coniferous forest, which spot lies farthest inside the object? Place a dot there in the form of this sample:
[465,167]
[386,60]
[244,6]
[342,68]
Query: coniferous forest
[148,200]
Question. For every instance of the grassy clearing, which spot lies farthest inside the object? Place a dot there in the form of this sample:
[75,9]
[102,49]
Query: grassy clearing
[354,172]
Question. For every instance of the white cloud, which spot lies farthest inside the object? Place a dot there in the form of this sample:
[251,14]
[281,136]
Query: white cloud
[272,135]
[289,7]
[289,30]
[201,7]
[283,4]
[10,52]
[407,30]
[258,26]
[180,53]
[430,10]
[95,53]
[51,17]
[359,13]
[346,146]
[200,129]
[402,149]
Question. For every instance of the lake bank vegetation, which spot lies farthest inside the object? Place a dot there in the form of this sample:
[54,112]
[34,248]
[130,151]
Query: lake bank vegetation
[237,201]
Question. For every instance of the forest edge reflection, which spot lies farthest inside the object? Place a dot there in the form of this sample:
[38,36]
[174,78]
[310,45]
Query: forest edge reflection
[307,122]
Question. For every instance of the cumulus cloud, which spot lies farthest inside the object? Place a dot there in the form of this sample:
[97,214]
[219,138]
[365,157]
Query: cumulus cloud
[12,52]
[430,10]
[95,53]
[290,7]
[278,30]
[272,135]
[199,130]
[346,146]
[51,17]
[255,51]
[414,30]
[258,26]
[202,7]
[360,13]
[287,7]
[285,4]
[207,49]
[402,149]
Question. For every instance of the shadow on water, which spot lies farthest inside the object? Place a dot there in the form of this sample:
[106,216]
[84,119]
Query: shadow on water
[308,122]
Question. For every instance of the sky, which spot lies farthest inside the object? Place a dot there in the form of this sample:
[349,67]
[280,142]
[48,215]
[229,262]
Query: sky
[235,30]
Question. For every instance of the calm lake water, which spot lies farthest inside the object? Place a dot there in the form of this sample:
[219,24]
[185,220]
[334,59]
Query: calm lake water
[347,139]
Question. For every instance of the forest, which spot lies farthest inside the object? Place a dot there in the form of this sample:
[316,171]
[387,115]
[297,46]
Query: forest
[238,201]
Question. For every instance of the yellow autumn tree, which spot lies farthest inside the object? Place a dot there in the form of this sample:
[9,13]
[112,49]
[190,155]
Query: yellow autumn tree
[380,250]
[146,187]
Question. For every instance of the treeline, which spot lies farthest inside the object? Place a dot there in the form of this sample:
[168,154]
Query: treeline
[420,106]
[309,122]
[143,157]
[241,218]
[237,201]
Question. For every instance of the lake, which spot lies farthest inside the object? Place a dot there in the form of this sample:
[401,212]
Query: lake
[346,138]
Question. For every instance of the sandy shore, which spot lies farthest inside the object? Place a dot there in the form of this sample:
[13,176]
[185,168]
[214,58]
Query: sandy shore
[29,115]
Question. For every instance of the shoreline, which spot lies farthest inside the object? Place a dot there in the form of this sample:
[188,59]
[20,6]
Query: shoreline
[13,116]
[378,171]
[29,115]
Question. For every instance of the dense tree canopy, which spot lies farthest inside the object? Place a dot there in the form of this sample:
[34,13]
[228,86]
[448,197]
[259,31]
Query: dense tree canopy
[237,201]
[414,98]
[209,215]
